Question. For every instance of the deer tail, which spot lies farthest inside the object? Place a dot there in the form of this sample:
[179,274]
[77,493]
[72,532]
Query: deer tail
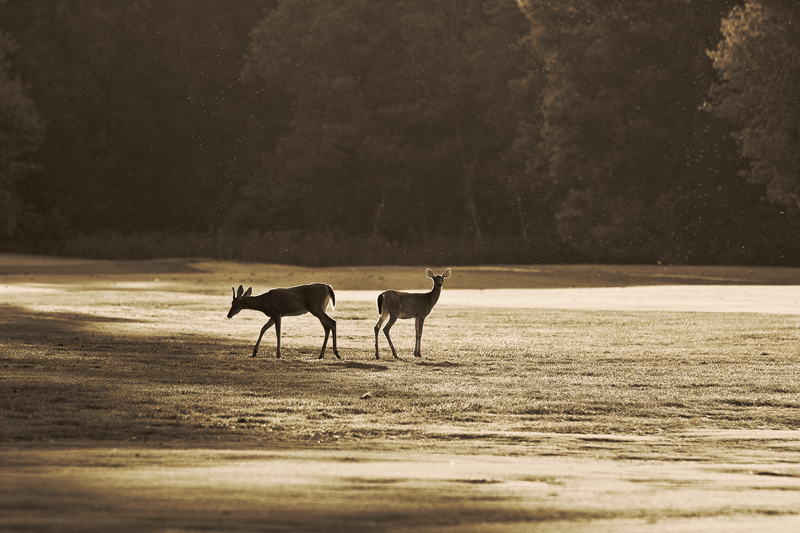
[380,303]
[332,295]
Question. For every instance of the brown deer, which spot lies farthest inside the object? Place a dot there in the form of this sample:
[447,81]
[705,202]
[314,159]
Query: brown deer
[396,304]
[294,301]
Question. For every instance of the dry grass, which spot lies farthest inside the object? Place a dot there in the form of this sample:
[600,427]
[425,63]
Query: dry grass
[137,364]
[115,386]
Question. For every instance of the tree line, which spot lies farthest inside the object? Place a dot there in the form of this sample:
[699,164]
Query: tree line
[590,130]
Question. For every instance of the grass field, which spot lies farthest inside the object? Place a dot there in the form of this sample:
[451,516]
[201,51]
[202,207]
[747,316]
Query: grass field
[557,398]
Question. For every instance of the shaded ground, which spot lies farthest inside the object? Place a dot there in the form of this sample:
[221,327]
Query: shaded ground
[127,401]
[211,273]
[131,489]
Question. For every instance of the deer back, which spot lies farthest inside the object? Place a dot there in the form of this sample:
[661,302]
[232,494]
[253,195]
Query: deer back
[298,300]
[408,304]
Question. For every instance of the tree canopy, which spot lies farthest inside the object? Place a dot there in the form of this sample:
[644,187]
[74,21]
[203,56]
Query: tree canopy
[759,64]
[20,136]
[576,130]
[399,114]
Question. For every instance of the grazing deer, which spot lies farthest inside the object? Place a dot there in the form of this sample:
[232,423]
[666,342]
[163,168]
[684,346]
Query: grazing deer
[293,301]
[396,304]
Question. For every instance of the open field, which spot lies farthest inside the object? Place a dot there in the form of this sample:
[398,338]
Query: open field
[553,398]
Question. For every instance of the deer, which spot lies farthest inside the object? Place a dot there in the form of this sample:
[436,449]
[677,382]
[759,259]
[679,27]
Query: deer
[395,304]
[292,301]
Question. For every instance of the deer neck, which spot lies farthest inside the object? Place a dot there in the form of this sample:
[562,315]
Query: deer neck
[254,303]
[433,296]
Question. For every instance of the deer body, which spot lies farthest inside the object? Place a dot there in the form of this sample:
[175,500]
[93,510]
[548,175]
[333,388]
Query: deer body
[393,305]
[292,301]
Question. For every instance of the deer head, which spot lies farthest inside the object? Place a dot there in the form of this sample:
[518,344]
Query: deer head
[438,281]
[236,304]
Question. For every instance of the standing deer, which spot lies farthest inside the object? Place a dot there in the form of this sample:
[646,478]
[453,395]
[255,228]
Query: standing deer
[293,301]
[396,304]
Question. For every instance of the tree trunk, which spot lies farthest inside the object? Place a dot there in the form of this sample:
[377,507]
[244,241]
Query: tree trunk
[473,209]
[376,224]
[523,227]
[469,171]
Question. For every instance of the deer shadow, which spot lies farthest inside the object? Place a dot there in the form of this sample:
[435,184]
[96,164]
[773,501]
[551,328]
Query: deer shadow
[361,366]
[439,364]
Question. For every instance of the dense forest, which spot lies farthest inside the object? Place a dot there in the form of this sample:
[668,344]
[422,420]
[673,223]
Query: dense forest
[356,131]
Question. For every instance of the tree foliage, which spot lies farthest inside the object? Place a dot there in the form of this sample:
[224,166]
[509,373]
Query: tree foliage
[567,130]
[399,112]
[621,129]
[20,136]
[759,64]
[139,99]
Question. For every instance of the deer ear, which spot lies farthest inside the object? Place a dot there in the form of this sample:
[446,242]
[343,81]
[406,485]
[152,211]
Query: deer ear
[234,292]
[248,292]
[239,291]
[429,273]
[446,274]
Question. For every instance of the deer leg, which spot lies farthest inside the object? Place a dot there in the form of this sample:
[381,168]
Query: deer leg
[278,337]
[418,326]
[329,325]
[333,334]
[325,326]
[377,330]
[325,342]
[265,328]
[389,324]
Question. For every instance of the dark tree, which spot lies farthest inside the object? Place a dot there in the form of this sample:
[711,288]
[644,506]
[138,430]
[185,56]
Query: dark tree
[400,113]
[143,107]
[20,136]
[759,63]
[622,127]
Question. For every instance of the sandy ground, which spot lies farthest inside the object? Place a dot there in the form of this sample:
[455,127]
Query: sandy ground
[135,489]
[733,480]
